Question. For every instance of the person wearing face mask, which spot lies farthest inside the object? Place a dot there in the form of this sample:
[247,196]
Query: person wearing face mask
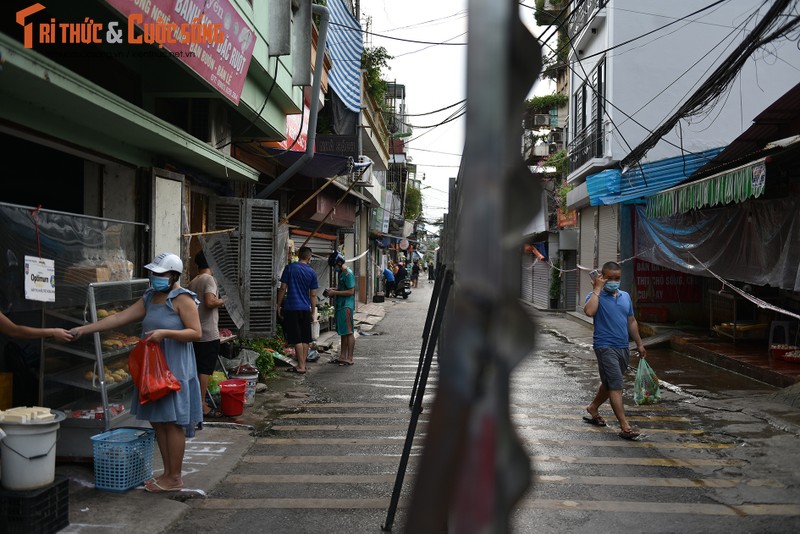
[345,308]
[614,324]
[169,317]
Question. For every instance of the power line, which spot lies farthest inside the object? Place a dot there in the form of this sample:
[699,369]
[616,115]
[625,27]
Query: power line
[373,34]
[721,77]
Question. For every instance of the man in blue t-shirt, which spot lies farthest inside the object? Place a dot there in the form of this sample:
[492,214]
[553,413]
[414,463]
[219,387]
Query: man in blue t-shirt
[297,305]
[614,323]
[345,308]
[389,276]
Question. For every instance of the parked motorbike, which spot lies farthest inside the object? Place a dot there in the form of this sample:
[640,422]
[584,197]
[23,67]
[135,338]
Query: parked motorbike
[402,288]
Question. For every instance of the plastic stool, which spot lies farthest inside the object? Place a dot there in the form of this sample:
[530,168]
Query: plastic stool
[782,329]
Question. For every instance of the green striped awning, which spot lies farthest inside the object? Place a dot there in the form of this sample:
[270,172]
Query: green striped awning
[735,185]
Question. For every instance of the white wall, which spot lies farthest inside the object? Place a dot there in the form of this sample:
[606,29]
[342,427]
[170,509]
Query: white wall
[641,70]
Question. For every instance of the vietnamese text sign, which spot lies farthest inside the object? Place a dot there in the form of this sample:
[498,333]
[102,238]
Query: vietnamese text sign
[209,36]
[40,279]
[661,285]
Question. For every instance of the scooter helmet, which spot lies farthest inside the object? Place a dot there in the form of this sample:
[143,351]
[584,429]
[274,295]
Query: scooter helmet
[335,258]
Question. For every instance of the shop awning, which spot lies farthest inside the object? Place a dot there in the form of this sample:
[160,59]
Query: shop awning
[319,166]
[735,185]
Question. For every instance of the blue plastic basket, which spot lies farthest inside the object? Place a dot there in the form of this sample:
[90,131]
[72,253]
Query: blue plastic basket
[123,458]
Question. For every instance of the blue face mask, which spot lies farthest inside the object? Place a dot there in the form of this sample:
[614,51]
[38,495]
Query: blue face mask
[611,286]
[160,283]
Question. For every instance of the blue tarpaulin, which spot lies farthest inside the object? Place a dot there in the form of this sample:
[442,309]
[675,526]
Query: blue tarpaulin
[613,186]
[345,47]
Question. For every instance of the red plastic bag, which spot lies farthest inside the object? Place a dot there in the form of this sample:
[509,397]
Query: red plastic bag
[150,373]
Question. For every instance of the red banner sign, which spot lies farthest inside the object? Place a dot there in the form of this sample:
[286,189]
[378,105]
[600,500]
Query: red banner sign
[208,36]
[661,285]
[567,219]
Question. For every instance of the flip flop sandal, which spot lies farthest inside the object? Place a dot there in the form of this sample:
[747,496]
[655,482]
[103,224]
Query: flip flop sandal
[596,421]
[335,361]
[295,370]
[343,363]
[631,434]
[214,413]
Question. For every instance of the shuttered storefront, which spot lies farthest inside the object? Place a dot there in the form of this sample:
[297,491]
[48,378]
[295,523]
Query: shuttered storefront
[586,258]
[541,284]
[608,238]
[570,278]
[527,277]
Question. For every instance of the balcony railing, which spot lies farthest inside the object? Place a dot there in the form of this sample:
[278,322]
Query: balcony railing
[582,15]
[586,145]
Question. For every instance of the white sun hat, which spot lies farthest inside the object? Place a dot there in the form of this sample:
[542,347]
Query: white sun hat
[165,262]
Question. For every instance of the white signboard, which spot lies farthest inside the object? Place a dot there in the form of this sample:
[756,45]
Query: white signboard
[40,279]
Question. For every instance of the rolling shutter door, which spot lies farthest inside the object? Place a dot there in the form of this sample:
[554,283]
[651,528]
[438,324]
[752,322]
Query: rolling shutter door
[586,259]
[541,284]
[607,247]
[527,277]
[570,279]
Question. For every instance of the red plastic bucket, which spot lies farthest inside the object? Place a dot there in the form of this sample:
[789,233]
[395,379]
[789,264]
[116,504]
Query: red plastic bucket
[232,394]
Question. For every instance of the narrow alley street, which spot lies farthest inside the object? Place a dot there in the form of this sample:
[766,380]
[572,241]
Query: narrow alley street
[330,466]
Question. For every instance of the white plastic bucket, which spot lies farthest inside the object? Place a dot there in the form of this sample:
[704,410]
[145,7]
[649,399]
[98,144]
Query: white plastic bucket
[315,330]
[28,454]
[250,387]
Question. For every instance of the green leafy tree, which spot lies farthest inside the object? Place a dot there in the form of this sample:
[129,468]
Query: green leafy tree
[373,61]
[413,208]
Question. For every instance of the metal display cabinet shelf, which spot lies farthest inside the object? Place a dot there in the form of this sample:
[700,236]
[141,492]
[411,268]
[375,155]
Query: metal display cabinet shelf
[73,376]
[726,312]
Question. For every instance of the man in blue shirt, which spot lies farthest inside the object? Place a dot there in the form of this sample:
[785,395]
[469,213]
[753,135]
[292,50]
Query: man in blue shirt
[297,305]
[389,276]
[614,323]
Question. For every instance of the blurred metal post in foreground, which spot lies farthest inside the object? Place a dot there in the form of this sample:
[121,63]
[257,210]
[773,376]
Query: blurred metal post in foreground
[474,469]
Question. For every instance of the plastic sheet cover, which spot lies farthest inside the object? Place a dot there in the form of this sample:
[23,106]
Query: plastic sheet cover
[755,242]
[84,250]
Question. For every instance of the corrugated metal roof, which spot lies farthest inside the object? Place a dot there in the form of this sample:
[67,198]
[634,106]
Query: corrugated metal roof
[613,186]
[779,120]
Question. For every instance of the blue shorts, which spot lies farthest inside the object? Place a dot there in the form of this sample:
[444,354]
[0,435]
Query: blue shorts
[612,364]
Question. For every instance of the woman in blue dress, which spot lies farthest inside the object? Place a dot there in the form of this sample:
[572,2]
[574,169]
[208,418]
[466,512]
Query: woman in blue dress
[169,317]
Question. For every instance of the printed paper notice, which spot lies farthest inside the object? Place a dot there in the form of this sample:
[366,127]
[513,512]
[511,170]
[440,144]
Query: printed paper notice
[40,279]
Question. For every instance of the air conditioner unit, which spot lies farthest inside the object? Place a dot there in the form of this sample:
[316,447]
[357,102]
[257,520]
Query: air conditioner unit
[362,172]
[556,137]
[541,120]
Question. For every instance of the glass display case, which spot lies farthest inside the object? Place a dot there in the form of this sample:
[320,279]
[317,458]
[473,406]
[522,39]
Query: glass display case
[88,379]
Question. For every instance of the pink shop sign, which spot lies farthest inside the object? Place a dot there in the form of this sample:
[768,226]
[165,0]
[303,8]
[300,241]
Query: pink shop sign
[208,36]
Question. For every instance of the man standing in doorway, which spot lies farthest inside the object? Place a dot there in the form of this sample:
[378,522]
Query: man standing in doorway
[345,308]
[614,324]
[299,309]
[207,349]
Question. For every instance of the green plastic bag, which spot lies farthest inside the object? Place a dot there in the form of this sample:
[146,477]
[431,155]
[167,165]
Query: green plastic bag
[645,387]
[214,380]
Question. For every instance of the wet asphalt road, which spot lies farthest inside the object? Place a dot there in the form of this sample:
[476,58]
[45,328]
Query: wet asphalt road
[330,466]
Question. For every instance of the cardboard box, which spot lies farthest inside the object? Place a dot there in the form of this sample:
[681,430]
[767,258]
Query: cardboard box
[86,275]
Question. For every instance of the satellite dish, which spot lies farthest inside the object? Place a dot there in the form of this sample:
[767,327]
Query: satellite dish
[404,244]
